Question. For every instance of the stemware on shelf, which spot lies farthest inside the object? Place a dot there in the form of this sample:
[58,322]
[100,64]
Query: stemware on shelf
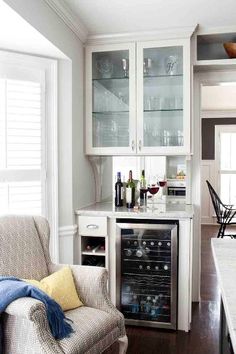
[147,64]
[171,65]
[125,66]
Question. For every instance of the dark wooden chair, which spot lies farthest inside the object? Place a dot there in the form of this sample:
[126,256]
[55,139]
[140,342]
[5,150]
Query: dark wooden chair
[225,214]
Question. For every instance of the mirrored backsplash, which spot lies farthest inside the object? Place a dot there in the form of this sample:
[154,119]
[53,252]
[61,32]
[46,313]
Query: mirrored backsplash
[168,167]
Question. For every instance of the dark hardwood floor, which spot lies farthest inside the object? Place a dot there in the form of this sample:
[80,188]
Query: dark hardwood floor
[204,335]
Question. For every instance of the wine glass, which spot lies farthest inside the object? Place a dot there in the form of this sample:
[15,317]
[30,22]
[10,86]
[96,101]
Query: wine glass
[162,183]
[153,188]
[147,64]
[125,66]
[143,189]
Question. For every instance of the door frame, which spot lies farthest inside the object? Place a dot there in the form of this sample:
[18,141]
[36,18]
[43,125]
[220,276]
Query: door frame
[219,129]
[204,78]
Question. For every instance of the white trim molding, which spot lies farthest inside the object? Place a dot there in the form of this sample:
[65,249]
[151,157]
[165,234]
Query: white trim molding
[218,114]
[165,33]
[68,231]
[69,18]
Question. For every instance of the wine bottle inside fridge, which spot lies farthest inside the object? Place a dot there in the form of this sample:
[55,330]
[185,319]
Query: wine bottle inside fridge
[130,192]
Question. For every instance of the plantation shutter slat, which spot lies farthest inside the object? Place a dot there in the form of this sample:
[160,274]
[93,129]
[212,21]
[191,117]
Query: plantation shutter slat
[20,146]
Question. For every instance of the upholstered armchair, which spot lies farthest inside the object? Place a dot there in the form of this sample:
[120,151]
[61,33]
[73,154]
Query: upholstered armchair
[24,253]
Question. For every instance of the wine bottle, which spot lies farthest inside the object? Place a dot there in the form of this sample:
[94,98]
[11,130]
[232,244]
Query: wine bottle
[119,193]
[142,183]
[130,192]
[124,190]
[143,189]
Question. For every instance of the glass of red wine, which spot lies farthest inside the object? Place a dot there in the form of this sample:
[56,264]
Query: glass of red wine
[162,183]
[153,188]
[143,189]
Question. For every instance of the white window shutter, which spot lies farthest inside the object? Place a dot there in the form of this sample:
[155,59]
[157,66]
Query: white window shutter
[21,146]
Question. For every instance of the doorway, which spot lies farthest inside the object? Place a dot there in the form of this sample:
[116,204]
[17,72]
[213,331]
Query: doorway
[202,169]
[218,143]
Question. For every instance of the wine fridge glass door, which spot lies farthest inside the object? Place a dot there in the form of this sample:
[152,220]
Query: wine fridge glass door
[147,273]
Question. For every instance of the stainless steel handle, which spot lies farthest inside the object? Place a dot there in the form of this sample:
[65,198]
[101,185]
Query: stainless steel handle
[140,145]
[132,145]
[92,226]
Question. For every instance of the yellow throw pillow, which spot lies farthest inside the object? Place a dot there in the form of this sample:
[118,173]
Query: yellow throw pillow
[61,287]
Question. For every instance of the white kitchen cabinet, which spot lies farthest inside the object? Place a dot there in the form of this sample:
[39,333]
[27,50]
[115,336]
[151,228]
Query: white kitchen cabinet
[110,99]
[163,97]
[102,218]
[138,98]
[93,243]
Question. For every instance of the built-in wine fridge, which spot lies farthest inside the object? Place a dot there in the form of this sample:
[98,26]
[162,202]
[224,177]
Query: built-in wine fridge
[147,270]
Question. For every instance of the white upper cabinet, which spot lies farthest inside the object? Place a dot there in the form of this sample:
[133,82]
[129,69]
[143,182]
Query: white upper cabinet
[110,100]
[163,97]
[138,99]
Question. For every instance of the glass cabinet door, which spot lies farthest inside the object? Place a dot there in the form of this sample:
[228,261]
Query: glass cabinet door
[161,101]
[110,116]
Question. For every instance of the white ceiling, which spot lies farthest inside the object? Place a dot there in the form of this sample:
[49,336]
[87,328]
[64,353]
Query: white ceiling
[117,16]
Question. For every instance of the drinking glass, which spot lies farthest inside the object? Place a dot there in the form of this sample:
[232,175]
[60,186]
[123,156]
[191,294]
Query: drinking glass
[171,64]
[143,188]
[153,188]
[147,64]
[125,66]
[162,183]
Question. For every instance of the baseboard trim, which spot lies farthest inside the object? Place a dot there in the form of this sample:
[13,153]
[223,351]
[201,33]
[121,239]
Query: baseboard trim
[68,231]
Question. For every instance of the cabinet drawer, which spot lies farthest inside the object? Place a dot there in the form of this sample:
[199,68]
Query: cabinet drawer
[93,225]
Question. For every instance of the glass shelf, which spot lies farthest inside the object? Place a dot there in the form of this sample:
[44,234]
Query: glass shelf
[111,78]
[164,76]
[164,110]
[110,112]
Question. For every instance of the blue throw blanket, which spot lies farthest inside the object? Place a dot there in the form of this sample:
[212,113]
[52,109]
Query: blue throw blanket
[12,288]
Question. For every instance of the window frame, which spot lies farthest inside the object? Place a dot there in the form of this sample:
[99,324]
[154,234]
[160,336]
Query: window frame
[218,171]
[49,68]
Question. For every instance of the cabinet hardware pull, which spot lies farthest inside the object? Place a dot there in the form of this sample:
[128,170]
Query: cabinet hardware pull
[133,145]
[140,145]
[92,226]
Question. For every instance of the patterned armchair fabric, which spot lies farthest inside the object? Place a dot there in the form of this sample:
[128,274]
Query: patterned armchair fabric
[24,253]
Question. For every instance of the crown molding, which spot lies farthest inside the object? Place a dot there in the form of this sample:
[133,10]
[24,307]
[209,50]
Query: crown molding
[68,17]
[216,30]
[165,33]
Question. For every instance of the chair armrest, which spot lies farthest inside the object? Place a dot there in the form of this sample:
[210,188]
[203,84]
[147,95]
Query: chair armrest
[26,307]
[35,311]
[91,285]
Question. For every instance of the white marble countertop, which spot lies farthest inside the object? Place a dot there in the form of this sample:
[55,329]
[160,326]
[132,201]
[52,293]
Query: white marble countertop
[224,252]
[163,209]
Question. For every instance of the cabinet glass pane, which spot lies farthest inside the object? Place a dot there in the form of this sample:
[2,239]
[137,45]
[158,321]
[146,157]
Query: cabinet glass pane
[110,74]
[163,96]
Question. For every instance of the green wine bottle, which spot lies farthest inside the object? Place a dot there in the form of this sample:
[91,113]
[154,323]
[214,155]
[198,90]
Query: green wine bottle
[130,192]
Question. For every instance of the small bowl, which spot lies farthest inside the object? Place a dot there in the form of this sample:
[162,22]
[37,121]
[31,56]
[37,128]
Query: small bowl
[230,49]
